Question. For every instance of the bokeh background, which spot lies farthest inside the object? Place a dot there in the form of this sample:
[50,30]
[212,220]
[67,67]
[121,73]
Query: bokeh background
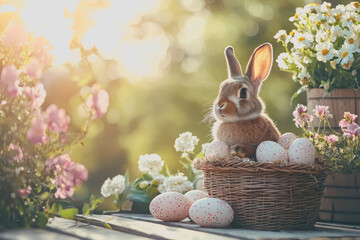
[160,60]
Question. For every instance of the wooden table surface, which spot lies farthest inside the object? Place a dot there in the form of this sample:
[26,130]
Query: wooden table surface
[143,226]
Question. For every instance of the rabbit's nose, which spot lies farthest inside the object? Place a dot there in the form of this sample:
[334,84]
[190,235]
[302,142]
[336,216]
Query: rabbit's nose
[220,105]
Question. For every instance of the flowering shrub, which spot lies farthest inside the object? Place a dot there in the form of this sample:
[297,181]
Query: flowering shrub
[340,151]
[156,178]
[35,165]
[323,49]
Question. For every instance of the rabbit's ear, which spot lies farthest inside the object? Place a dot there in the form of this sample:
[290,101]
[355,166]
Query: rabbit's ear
[234,67]
[260,63]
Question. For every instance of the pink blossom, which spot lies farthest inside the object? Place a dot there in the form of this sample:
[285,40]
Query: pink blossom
[36,95]
[15,34]
[300,115]
[24,192]
[57,119]
[350,118]
[42,50]
[37,130]
[16,153]
[34,69]
[352,130]
[322,112]
[10,79]
[332,139]
[68,175]
[98,101]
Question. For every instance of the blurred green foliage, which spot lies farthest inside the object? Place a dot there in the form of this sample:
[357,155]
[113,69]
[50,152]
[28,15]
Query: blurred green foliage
[147,115]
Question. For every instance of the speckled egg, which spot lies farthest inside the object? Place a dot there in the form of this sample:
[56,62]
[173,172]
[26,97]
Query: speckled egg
[302,151]
[195,195]
[287,139]
[170,207]
[217,150]
[211,212]
[271,152]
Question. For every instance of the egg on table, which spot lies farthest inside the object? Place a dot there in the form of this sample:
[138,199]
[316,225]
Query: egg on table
[195,195]
[217,150]
[302,150]
[211,212]
[271,152]
[287,139]
[170,207]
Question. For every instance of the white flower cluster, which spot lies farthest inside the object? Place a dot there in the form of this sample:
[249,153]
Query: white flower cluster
[116,185]
[324,34]
[150,164]
[186,142]
[176,183]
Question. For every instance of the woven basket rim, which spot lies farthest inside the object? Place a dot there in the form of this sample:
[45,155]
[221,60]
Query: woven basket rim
[236,165]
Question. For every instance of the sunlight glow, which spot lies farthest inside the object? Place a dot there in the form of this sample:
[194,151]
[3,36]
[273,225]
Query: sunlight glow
[111,26]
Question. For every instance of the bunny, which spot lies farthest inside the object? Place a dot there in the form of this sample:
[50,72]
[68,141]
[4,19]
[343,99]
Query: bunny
[240,116]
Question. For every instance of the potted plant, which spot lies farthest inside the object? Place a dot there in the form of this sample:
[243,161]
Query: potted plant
[322,52]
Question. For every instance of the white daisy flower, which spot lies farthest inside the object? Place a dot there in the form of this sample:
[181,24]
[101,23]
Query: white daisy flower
[302,40]
[338,11]
[347,65]
[186,142]
[345,53]
[353,6]
[353,40]
[284,60]
[311,8]
[348,20]
[325,51]
[150,164]
[282,36]
[298,16]
[325,7]
[303,75]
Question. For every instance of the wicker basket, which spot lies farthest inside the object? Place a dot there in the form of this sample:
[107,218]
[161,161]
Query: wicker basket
[266,196]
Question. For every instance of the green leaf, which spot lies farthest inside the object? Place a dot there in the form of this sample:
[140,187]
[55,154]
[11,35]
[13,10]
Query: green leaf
[42,220]
[297,93]
[147,177]
[44,196]
[126,176]
[68,213]
[152,192]
[107,225]
[86,209]
[138,196]
[53,209]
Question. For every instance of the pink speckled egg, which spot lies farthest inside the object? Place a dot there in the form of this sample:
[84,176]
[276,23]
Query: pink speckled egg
[302,151]
[217,150]
[211,212]
[287,139]
[195,195]
[170,207]
[271,152]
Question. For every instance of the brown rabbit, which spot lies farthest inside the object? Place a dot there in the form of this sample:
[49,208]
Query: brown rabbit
[239,112]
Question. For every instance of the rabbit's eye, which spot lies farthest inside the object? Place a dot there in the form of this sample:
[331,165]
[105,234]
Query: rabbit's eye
[243,93]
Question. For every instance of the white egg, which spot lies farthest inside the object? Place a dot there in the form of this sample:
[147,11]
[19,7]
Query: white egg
[302,151]
[195,195]
[287,139]
[270,152]
[217,150]
[170,206]
[211,212]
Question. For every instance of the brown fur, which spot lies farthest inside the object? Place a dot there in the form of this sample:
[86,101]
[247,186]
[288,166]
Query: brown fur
[241,122]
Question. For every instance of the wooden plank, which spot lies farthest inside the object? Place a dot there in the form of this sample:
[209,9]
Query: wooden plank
[320,231]
[149,229]
[33,233]
[87,231]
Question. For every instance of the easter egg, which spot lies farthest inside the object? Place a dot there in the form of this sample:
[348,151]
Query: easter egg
[170,207]
[211,212]
[195,195]
[271,152]
[217,150]
[287,139]
[302,151]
